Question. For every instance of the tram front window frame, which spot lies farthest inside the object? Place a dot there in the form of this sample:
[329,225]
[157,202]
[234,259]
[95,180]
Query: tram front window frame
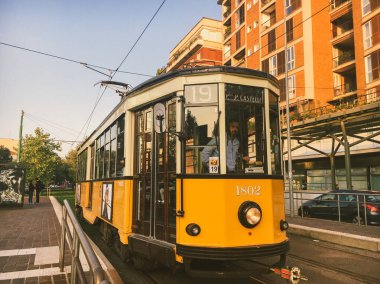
[209,110]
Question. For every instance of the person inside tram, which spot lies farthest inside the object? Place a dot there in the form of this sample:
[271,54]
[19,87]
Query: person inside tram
[232,148]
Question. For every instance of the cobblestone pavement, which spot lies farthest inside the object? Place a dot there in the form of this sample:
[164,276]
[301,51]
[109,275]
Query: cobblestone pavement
[29,239]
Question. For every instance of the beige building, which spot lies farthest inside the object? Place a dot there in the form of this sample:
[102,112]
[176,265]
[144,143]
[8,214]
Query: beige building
[202,46]
[12,145]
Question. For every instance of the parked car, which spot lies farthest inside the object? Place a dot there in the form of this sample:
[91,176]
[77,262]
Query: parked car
[56,187]
[353,205]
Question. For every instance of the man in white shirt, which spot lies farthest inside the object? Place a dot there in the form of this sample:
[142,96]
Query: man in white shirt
[232,148]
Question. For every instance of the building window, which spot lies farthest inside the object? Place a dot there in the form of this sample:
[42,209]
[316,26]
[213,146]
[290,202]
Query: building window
[371,32]
[240,16]
[255,1]
[280,62]
[249,52]
[292,86]
[369,5]
[255,24]
[272,40]
[256,47]
[372,66]
[292,5]
[249,6]
[273,65]
[289,30]
[291,59]
[249,29]
[238,38]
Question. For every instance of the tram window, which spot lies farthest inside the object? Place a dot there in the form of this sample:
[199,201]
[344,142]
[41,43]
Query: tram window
[113,158]
[148,125]
[274,134]
[120,159]
[106,160]
[201,132]
[172,138]
[245,127]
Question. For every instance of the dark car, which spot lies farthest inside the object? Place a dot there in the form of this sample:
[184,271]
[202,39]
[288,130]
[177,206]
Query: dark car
[352,205]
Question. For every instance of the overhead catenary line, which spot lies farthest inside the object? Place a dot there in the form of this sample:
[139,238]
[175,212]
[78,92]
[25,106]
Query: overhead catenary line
[73,61]
[38,123]
[88,121]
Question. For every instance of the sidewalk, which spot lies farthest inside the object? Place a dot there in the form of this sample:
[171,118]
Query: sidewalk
[29,245]
[29,250]
[347,234]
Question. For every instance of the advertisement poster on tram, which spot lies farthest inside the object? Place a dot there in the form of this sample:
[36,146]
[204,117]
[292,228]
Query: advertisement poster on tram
[107,194]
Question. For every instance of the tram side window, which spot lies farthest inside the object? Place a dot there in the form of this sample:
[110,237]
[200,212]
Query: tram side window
[274,134]
[201,128]
[82,166]
[109,157]
[120,158]
[245,127]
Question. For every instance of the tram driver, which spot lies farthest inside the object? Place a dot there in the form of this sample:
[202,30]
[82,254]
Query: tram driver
[232,147]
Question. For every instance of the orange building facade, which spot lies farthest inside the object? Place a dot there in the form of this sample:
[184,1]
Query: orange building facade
[332,46]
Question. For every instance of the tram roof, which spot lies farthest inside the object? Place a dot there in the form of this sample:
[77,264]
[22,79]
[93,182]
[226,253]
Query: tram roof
[204,70]
[186,72]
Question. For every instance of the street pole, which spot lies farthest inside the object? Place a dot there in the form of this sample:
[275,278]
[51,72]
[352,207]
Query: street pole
[20,137]
[289,142]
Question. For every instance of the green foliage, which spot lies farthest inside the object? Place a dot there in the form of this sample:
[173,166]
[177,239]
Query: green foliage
[40,156]
[70,163]
[161,70]
[5,155]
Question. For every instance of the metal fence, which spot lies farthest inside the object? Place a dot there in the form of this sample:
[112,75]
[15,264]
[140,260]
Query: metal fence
[78,242]
[358,208]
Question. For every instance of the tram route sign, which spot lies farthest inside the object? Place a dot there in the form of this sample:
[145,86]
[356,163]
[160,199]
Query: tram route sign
[159,118]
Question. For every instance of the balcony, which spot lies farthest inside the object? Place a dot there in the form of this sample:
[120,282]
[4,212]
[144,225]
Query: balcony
[340,8]
[344,62]
[345,90]
[227,13]
[343,33]
[335,4]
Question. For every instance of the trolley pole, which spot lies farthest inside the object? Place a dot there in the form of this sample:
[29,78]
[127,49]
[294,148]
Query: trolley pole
[289,142]
[20,138]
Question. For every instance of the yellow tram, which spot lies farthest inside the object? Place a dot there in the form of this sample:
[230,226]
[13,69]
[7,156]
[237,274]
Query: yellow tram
[187,169]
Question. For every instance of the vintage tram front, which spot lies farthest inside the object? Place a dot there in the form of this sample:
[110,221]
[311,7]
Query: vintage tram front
[202,175]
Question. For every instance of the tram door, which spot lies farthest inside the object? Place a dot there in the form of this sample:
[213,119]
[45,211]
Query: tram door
[154,178]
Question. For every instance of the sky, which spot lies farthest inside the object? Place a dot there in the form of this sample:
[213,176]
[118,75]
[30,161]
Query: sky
[59,95]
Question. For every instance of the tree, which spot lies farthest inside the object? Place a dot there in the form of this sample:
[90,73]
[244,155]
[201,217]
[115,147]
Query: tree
[5,155]
[40,156]
[70,162]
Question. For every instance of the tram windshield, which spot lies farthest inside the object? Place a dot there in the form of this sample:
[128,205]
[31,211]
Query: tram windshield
[244,148]
[245,129]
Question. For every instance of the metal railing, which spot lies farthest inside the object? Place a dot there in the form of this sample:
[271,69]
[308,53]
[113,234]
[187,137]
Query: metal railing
[343,207]
[337,3]
[77,241]
[360,100]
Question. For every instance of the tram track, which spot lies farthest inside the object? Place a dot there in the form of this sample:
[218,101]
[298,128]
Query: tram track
[320,265]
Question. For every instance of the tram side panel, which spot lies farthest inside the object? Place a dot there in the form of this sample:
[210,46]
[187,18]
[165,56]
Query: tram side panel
[121,206]
[213,204]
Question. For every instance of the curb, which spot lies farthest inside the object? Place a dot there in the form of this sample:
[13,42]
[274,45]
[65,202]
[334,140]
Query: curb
[366,243]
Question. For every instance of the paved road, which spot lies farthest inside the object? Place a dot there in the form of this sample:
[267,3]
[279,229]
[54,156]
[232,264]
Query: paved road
[320,262]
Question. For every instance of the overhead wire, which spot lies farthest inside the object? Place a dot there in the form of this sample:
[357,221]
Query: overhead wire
[117,69]
[72,60]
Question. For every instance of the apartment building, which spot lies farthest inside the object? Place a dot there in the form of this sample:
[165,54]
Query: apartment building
[332,53]
[202,46]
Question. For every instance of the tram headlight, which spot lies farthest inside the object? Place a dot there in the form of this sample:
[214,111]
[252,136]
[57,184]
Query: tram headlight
[193,229]
[249,214]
